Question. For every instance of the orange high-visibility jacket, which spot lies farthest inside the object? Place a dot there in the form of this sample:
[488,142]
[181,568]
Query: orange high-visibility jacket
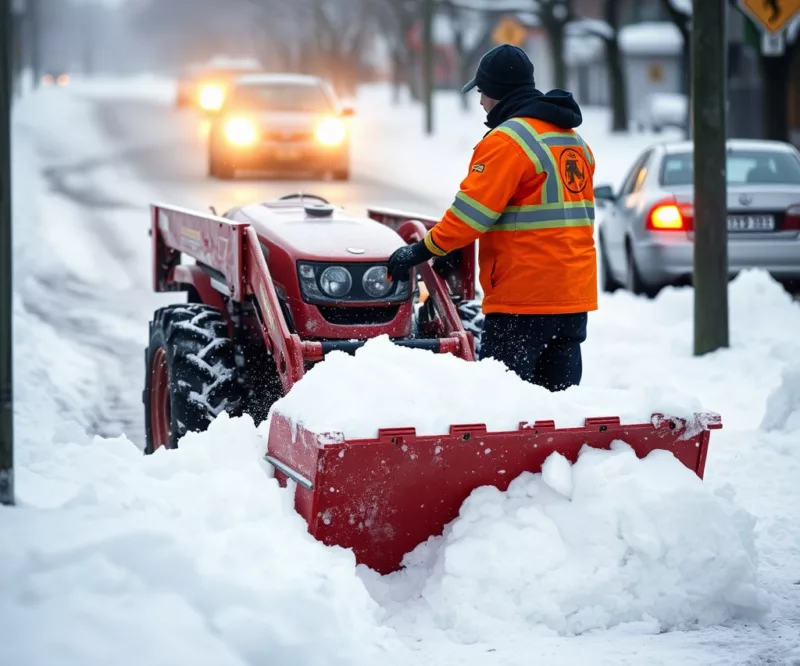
[529,196]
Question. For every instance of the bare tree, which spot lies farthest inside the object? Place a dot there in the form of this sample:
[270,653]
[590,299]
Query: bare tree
[472,29]
[554,15]
[680,13]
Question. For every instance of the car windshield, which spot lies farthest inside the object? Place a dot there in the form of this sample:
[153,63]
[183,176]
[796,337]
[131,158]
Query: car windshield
[744,167]
[283,97]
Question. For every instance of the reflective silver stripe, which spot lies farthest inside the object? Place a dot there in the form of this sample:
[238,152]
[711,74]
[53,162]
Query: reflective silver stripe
[522,131]
[558,139]
[465,205]
[545,224]
[535,214]
[562,141]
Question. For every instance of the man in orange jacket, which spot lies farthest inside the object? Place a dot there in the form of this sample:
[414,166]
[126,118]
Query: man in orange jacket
[529,197]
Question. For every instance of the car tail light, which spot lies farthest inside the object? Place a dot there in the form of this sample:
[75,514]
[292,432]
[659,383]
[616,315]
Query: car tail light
[792,219]
[670,216]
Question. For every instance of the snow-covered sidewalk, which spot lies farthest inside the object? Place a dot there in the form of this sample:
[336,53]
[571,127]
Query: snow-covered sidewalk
[196,555]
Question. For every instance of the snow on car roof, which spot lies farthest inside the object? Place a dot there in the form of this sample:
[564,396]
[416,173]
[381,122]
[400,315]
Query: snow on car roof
[257,79]
[651,38]
[732,144]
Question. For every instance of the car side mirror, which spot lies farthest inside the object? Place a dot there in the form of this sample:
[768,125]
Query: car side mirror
[348,112]
[605,192]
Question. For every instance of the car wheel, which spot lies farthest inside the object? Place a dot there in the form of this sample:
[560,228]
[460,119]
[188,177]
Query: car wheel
[633,278]
[607,282]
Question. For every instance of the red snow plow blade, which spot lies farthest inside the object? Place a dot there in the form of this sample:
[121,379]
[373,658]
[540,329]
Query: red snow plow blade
[381,497]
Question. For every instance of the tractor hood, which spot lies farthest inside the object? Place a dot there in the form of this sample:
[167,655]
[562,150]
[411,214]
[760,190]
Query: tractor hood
[337,237]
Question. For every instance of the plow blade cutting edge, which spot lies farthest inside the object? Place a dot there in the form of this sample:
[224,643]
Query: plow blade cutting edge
[382,497]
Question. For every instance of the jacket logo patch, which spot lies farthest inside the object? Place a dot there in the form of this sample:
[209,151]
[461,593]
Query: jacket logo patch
[478,167]
[574,170]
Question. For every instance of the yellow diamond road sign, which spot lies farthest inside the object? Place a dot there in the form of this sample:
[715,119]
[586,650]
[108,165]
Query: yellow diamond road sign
[771,15]
[509,31]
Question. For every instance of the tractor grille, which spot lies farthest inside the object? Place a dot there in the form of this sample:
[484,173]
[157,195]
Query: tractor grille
[358,316]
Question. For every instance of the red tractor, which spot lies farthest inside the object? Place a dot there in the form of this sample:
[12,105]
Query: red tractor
[277,285]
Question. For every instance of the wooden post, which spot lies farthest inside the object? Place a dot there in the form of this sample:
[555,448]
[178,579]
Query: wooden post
[427,63]
[709,50]
[6,385]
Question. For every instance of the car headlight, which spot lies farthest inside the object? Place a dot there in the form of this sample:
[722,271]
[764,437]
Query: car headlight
[336,281]
[375,282]
[211,97]
[241,132]
[331,132]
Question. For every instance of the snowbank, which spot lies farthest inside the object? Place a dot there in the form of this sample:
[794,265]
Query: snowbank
[385,386]
[611,540]
[194,556]
[783,404]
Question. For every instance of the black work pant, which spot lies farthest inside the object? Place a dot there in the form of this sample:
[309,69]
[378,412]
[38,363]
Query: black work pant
[541,349]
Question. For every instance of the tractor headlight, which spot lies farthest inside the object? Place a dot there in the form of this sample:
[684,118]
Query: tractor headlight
[336,281]
[375,282]
[241,132]
[331,132]
[211,97]
[353,283]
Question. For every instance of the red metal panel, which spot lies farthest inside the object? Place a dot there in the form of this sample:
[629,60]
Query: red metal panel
[383,496]
[284,346]
[211,240]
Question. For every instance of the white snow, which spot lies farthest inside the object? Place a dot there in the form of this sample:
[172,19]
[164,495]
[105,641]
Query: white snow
[651,38]
[196,556]
[783,404]
[348,394]
[640,542]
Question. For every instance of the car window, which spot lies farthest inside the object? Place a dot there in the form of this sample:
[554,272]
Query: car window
[744,167]
[282,97]
[636,175]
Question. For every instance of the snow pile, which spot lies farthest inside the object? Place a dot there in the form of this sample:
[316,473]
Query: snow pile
[386,386]
[783,404]
[609,541]
[193,556]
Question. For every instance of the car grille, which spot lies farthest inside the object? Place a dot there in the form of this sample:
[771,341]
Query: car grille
[288,136]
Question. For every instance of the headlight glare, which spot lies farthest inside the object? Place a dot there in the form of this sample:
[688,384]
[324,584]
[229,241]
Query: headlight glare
[331,132]
[240,132]
[375,282]
[211,97]
[336,281]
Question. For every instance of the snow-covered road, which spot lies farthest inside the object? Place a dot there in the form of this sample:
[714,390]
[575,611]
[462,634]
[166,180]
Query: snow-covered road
[196,556]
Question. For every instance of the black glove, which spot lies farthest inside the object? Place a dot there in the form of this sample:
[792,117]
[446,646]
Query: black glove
[407,257]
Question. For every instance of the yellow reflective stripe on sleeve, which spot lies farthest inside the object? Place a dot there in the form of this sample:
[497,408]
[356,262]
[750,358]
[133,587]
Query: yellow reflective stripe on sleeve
[474,210]
[432,246]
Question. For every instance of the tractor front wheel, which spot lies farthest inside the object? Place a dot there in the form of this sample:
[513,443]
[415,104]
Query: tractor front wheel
[190,373]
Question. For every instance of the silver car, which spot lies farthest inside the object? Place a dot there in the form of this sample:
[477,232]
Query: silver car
[646,232]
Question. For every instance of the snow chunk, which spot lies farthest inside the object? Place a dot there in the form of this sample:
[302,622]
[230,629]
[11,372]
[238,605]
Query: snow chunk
[192,555]
[557,473]
[387,386]
[638,541]
[783,404]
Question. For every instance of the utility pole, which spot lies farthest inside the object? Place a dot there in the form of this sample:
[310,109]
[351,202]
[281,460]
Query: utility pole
[34,33]
[427,63]
[709,50]
[6,385]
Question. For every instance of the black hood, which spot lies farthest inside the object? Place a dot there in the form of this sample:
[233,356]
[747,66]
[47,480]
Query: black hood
[557,107]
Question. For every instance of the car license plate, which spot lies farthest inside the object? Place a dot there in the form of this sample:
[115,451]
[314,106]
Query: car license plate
[287,153]
[751,223]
